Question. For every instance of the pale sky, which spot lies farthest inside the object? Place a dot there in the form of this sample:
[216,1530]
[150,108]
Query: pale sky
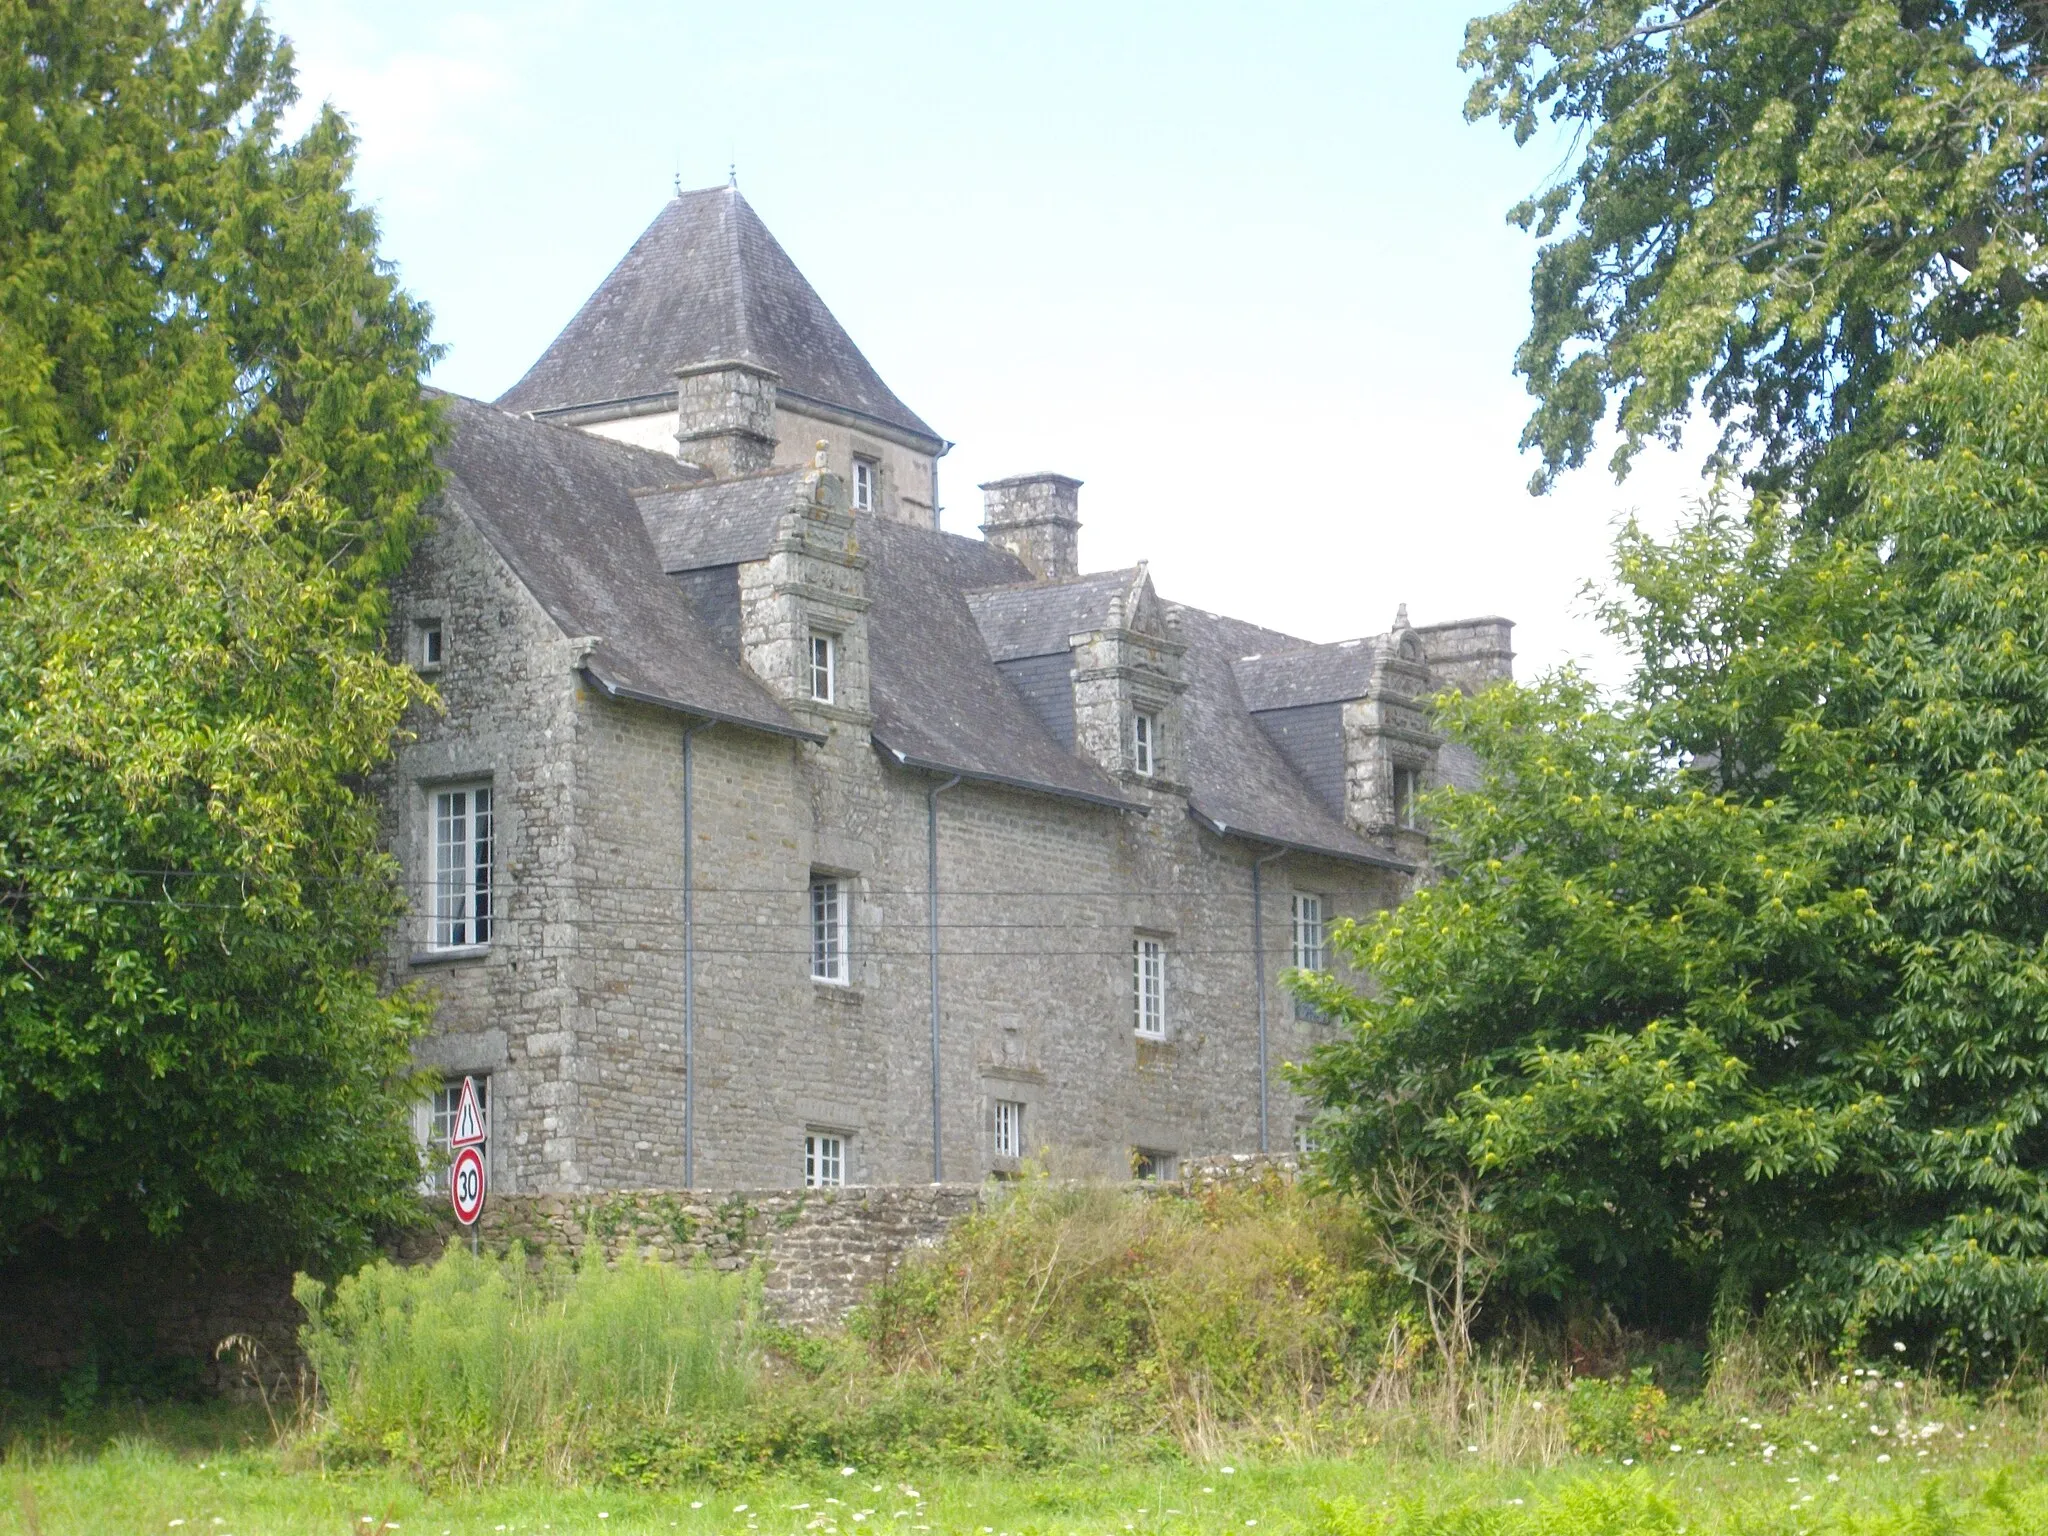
[1244,270]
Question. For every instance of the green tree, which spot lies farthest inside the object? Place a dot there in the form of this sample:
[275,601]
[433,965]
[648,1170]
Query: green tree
[1736,988]
[186,298]
[1766,206]
[193,1036]
[215,448]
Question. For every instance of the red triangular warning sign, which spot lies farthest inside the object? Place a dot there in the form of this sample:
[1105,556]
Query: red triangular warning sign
[468,1128]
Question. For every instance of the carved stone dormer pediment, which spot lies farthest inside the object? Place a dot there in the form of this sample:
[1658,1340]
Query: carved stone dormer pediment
[804,604]
[1129,676]
[1389,747]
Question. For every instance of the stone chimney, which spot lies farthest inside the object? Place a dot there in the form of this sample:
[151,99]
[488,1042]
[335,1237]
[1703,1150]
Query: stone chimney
[1037,519]
[725,416]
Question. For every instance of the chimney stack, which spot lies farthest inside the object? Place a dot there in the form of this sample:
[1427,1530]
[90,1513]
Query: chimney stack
[1037,519]
[725,416]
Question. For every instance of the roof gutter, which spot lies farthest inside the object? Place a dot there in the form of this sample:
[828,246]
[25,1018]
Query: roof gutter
[974,776]
[612,690]
[1246,834]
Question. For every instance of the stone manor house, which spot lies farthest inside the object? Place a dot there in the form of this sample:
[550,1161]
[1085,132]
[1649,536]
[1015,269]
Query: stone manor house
[771,835]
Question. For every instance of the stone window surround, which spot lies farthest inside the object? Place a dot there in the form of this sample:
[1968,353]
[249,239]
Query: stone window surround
[1152,1164]
[1157,697]
[1401,807]
[1307,950]
[1144,742]
[428,650]
[441,941]
[1006,1128]
[831,931]
[824,669]
[1148,985]
[828,1156]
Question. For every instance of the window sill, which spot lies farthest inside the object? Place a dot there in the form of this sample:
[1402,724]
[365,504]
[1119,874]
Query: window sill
[844,993]
[454,955]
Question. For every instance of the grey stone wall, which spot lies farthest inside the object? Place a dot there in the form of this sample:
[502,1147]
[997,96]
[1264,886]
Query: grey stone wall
[819,1250]
[575,1010]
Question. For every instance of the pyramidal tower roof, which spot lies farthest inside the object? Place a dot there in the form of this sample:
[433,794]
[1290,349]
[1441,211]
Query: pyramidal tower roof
[706,282]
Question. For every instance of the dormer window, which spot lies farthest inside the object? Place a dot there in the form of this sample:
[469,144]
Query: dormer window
[824,668]
[1407,788]
[1145,744]
[865,474]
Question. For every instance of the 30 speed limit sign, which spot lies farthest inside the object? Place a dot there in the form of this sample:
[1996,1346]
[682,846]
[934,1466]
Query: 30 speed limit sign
[466,1185]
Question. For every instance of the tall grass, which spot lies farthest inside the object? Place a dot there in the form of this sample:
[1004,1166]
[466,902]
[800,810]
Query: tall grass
[1245,1310]
[475,1365]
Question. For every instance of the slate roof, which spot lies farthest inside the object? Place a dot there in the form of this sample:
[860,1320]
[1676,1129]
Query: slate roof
[1038,620]
[1313,674]
[938,701]
[721,522]
[588,525]
[1238,780]
[558,507]
[706,282]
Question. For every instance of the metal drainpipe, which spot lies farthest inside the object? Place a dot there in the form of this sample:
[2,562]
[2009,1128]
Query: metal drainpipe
[932,882]
[1259,972]
[690,963]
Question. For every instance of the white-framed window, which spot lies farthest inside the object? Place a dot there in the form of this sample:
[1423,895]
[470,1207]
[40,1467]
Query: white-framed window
[1009,1128]
[824,667]
[1148,988]
[1308,933]
[1306,1139]
[866,475]
[1145,743]
[1407,788]
[426,646]
[463,829]
[824,1160]
[1307,927]
[1148,1164]
[440,1124]
[829,913]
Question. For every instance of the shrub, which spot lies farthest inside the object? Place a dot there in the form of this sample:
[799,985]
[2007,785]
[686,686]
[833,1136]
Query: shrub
[473,1365]
[1088,1305]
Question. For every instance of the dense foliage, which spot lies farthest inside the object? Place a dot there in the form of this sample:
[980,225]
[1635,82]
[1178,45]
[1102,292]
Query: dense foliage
[214,446]
[1767,203]
[187,702]
[1735,989]
[187,299]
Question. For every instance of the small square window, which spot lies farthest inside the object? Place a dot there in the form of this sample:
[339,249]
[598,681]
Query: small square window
[1149,1165]
[829,930]
[464,829]
[866,472]
[1407,788]
[1306,1140]
[824,1160]
[426,650]
[1148,988]
[824,668]
[1009,1128]
[1145,743]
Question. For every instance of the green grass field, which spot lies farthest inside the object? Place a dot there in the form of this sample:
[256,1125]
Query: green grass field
[214,1473]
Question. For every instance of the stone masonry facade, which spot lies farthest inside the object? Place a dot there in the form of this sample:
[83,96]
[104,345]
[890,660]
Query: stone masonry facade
[634,576]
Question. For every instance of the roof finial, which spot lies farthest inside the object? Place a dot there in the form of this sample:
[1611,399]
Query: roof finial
[1401,618]
[732,174]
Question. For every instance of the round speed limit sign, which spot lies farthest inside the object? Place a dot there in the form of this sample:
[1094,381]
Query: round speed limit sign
[466,1185]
